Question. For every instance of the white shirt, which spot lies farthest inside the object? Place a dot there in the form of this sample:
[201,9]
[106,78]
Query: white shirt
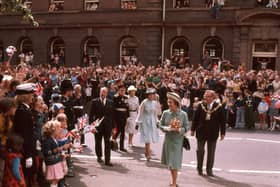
[26,105]
[211,105]
[185,102]
[103,100]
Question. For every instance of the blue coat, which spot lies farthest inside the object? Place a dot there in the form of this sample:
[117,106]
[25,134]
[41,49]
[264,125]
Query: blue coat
[172,151]
[49,146]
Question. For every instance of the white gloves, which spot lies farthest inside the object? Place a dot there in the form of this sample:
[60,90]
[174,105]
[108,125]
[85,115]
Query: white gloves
[38,145]
[28,162]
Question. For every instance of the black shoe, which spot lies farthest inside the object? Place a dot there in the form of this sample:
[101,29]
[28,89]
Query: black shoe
[200,172]
[109,164]
[70,173]
[123,150]
[99,160]
[210,174]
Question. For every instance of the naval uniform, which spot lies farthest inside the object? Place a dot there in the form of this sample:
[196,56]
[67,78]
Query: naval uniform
[24,126]
[120,115]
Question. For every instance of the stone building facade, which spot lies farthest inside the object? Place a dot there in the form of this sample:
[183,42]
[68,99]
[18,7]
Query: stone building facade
[241,31]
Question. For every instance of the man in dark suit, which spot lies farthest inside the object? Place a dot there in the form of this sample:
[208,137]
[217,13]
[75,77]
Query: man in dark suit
[208,122]
[102,107]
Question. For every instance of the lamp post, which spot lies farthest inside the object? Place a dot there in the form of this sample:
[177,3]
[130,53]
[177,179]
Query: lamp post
[163,30]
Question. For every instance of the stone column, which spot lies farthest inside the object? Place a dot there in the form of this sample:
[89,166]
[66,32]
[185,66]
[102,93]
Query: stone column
[244,40]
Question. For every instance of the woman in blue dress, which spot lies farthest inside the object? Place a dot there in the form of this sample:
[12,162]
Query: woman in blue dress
[147,120]
[174,123]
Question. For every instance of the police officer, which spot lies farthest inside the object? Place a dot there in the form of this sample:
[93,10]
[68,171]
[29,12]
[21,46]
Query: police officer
[24,126]
[120,105]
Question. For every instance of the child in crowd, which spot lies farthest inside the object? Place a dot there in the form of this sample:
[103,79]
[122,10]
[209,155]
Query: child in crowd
[240,111]
[262,109]
[52,150]
[13,173]
[64,137]
[57,108]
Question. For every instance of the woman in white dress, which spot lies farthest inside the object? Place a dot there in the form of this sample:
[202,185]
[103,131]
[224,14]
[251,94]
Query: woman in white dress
[147,120]
[133,105]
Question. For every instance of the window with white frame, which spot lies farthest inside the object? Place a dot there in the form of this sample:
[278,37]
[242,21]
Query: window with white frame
[91,5]
[128,4]
[56,5]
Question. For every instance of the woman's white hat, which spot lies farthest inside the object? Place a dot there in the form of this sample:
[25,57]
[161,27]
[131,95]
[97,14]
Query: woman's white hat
[131,88]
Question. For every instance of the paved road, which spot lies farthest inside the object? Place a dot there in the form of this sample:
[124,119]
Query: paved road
[243,159]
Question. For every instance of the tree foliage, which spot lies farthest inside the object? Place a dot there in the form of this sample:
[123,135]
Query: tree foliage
[18,6]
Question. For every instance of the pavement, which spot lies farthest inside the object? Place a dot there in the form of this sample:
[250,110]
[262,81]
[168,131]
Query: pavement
[243,159]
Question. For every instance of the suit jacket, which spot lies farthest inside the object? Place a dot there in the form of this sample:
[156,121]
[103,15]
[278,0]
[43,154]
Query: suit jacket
[209,129]
[24,126]
[98,110]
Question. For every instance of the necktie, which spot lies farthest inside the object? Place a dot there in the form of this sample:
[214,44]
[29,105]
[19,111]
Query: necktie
[102,101]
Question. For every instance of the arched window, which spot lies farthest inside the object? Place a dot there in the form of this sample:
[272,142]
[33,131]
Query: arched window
[57,50]
[128,50]
[25,49]
[179,51]
[1,52]
[91,51]
[91,5]
[56,5]
[214,48]
[25,45]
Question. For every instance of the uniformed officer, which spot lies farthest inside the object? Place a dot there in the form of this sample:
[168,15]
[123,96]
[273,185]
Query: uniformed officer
[24,126]
[66,89]
[120,105]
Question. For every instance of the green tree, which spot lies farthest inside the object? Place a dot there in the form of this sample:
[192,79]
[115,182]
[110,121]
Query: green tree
[18,6]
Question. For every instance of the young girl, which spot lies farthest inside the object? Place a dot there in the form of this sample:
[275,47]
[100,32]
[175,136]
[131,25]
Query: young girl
[64,138]
[262,109]
[13,174]
[52,151]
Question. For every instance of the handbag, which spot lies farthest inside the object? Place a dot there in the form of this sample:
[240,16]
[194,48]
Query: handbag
[186,144]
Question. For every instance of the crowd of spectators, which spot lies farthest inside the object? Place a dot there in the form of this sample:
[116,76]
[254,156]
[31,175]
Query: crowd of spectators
[169,76]
[250,99]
